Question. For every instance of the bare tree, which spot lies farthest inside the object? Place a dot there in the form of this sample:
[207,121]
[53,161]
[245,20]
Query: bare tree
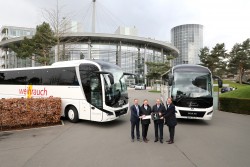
[61,24]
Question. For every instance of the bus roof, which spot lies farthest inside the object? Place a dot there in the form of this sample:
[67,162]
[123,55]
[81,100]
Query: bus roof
[71,63]
[190,67]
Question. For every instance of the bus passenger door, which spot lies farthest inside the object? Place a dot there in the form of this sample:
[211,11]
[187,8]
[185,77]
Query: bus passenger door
[96,98]
[91,84]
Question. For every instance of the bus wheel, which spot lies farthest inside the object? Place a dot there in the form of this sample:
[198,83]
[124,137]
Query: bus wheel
[72,114]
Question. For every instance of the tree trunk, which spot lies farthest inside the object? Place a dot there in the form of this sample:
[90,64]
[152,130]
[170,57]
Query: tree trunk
[240,73]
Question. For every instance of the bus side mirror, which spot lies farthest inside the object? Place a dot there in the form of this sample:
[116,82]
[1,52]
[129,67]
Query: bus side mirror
[170,80]
[111,78]
[220,83]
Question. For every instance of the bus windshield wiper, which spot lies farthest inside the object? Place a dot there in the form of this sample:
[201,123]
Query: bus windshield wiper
[182,96]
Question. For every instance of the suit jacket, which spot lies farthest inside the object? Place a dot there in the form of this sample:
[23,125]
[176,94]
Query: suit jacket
[143,111]
[161,109]
[134,117]
[169,115]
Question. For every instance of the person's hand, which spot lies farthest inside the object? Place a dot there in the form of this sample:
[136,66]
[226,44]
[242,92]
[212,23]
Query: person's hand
[161,118]
[160,114]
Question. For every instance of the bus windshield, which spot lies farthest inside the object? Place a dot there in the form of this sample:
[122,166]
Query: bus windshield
[191,84]
[116,93]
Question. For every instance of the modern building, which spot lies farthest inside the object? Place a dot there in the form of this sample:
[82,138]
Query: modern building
[128,52]
[10,32]
[127,31]
[188,39]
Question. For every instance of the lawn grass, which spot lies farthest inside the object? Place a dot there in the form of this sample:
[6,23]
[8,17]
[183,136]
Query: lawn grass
[242,92]
[154,91]
[231,84]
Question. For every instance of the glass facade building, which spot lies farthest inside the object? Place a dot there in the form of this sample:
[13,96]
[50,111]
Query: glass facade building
[188,39]
[132,58]
[8,58]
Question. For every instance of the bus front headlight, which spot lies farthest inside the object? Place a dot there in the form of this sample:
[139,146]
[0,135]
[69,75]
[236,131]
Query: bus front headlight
[209,113]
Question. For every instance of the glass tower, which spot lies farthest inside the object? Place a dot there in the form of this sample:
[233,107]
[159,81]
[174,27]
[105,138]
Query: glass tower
[188,39]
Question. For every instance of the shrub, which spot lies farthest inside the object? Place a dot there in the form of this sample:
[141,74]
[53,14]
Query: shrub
[235,105]
[22,112]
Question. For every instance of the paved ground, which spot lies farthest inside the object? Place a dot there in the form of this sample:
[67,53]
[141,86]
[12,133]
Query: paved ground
[223,141]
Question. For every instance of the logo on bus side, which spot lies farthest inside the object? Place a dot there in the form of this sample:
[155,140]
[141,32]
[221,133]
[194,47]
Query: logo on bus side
[30,91]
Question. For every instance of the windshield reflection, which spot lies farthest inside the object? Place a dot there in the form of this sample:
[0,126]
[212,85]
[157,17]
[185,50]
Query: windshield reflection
[191,84]
[115,90]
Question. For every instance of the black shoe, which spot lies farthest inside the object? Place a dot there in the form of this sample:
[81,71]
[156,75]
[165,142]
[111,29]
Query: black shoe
[139,140]
[171,142]
[132,140]
[145,140]
[161,141]
[168,140]
[156,140]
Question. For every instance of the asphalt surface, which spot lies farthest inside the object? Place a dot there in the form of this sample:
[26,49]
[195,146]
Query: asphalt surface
[223,141]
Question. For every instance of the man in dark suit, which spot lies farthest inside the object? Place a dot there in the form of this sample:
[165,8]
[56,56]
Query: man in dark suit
[145,111]
[135,120]
[170,119]
[158,109]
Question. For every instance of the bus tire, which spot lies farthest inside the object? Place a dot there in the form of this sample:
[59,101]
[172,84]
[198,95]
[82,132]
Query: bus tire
[72,114]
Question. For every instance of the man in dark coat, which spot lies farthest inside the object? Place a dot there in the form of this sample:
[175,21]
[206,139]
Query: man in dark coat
[170,119]
[158,110]
[145,111]
[135,120]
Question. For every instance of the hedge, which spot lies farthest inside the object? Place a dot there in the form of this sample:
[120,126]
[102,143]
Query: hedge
[20,113]
[235,105]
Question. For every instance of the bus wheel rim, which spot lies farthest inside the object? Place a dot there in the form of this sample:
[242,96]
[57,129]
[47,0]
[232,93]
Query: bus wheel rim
[71,114]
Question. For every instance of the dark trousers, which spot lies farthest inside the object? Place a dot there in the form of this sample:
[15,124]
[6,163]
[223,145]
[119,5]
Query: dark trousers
[133,125]
[144,130]
[158,126]
[171,132]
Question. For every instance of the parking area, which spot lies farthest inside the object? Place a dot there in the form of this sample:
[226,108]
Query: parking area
[223,141]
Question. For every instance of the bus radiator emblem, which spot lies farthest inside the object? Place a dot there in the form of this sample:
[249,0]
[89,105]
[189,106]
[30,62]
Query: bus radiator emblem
[120,102]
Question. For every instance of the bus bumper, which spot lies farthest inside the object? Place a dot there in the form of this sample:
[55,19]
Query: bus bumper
[194,113]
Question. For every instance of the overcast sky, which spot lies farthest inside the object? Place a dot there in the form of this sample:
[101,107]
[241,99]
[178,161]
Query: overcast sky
[225,21]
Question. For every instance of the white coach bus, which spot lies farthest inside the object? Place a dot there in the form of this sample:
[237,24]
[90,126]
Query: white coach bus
[191,89]
[89,89]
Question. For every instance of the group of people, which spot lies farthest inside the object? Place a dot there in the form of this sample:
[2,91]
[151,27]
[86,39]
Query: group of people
[160,115]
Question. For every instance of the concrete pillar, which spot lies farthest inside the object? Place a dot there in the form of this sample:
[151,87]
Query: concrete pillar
[162,55]
[8,60]
[15,61]
[89,50]
[119,54]
[139,61]
[63,57]
[153,55]
[145,65]
[56,53]
[33,61]
[5,58]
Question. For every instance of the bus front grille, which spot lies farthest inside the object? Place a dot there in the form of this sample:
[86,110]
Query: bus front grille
[192,113]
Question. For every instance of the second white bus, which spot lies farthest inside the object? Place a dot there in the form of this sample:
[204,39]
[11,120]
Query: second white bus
[191,89]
